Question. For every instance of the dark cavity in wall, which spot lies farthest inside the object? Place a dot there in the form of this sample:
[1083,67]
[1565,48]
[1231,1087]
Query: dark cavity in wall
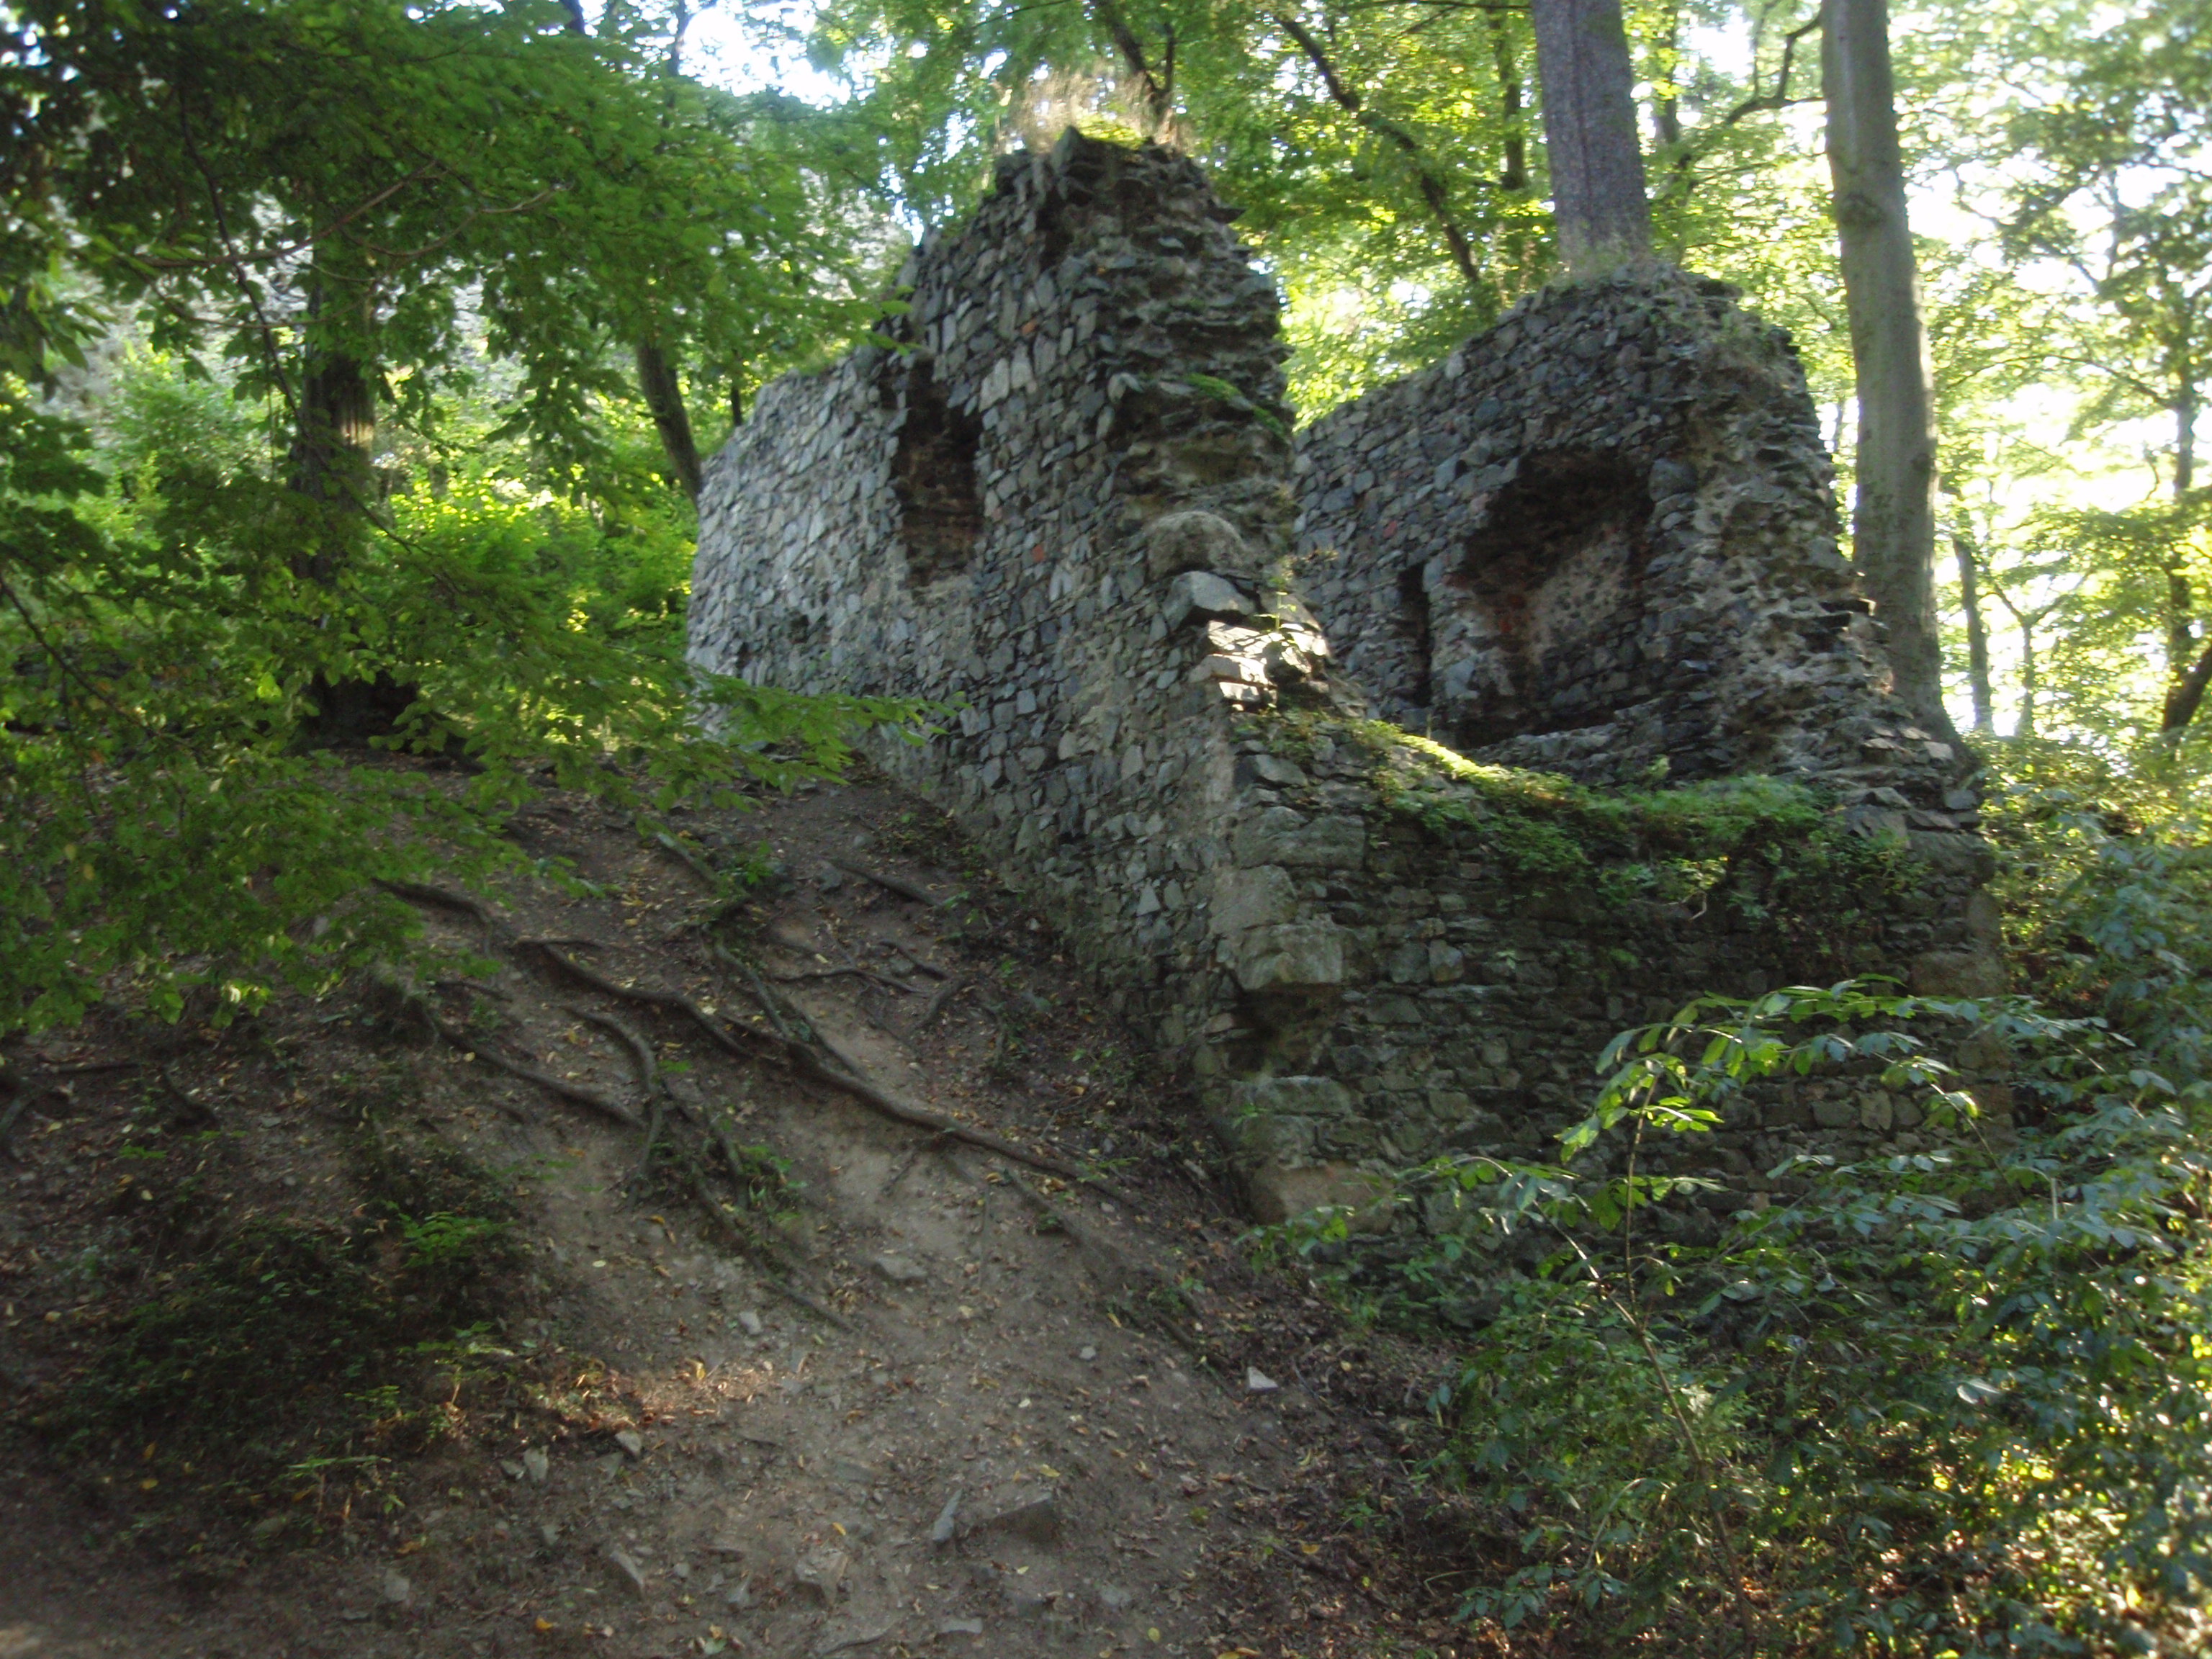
[1548,597]
[940,509]
[1413,625]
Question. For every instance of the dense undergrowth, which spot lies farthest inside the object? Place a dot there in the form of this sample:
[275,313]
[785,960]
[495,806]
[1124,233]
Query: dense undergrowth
[263,1355]
[1955,1402]
[174,814]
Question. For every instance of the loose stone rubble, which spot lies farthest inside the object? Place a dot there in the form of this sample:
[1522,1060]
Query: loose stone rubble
[1598,540]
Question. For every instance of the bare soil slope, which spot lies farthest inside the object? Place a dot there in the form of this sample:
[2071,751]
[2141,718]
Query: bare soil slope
[905,1394]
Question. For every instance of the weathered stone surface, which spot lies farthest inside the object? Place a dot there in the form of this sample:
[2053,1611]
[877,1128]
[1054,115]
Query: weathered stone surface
[1601,537]
[1196,541]
[1300,1096]
[1963,973]
[1598,539]
[1291,956]
[1203,594]
[1246,898]
[1280,835]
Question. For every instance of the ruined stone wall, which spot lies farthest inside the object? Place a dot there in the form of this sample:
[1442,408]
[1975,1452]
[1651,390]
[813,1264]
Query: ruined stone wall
[1601,537]
[1065,503]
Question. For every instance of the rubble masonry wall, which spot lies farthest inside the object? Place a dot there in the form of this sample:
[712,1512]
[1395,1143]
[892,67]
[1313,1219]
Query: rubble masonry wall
[1065,503]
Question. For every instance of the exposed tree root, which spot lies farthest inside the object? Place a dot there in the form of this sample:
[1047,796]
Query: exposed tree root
[899,885]
[873,978]
[810,1055]
[824,1062]
[748,1247]
[737,1041]
[567,1091]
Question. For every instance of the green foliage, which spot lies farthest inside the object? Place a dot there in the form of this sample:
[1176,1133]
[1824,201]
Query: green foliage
[2106,882]
[1945,1400]
[764,1181]
[164,827]
[580,194]
[472,218]
[276,1341]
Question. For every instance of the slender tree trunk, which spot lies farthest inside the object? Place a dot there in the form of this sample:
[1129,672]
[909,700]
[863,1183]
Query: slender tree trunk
[1893,520]
[1513,169]
[2187,694]
[1590,133]
[2188,669]
[1978,636]
[663,398]
[1666,105]
[658,382]
[2029,684]
[333,447]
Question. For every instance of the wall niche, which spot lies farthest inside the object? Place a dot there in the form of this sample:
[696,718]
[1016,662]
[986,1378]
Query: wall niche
[1535,630]
[933,479]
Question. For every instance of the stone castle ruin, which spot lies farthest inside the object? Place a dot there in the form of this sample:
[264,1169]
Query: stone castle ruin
[1383,773]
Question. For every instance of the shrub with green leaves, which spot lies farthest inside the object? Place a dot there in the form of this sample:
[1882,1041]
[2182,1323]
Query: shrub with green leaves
[162,825]
[1956,1400]
[2106,880]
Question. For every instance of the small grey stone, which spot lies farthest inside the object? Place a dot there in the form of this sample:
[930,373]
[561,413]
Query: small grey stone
[1258,1381]
[961,1627]
[549,1532]
[822,1571]
[396,1589]
[742,1596]
[629,1567]
[537,1465]
[1087,1353]
[1037,1520]
[947,1523]
[749,1322]
[899,1270]
[1115,1599]
[631,1442]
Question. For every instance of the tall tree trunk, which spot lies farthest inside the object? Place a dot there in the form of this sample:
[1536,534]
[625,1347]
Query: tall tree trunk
[664,396]
[332,444]
[1590,133]
[1513,169]
[333,447]
[2029,683]
[1893,520]
[1978,636]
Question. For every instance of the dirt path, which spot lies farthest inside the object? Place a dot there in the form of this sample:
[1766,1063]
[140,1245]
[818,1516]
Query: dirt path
[976,1439]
